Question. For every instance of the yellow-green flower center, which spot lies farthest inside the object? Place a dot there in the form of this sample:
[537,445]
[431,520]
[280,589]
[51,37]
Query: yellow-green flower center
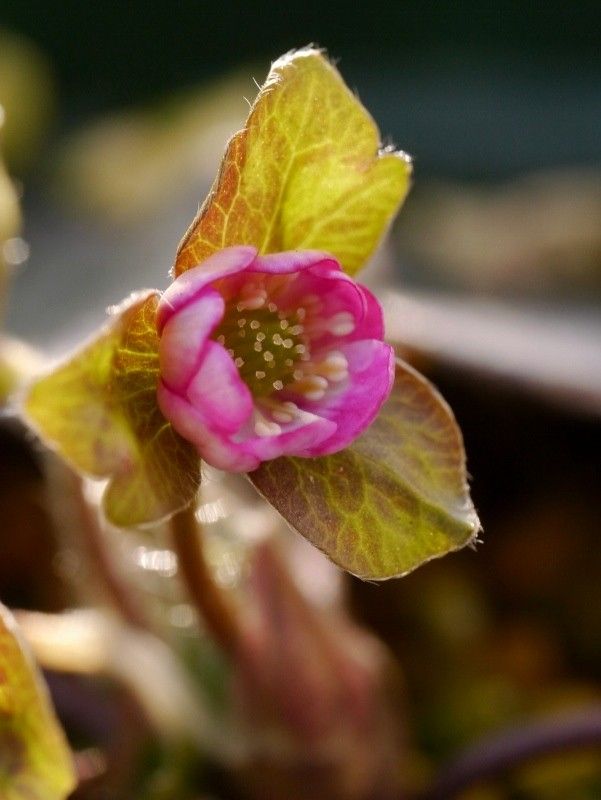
[265,344]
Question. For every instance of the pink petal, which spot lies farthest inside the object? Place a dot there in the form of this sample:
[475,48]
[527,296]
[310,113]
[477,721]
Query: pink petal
[326,293]
[355,405]
[235,453]
[218,393]
[214,447]
[372,324]
[187,287]
[295,439]
[184,337]
[292,261]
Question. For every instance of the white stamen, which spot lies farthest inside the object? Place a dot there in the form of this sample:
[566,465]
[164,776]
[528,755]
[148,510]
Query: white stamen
[281,412]
[272,307]
[259,374]
[265,428]
[253,301]
[284,324]
[287,343]
[241,322]
[295,330]
[341,324]
[277,385]
[239,362]
[260,336]
[334,367]
[268,356]
[313,387]
[277,339]
[258,347]
[255,324]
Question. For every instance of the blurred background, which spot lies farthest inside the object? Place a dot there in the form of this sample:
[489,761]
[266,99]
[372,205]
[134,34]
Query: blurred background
[116,117]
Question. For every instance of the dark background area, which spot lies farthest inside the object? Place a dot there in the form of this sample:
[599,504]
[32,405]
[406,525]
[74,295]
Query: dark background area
[469,88]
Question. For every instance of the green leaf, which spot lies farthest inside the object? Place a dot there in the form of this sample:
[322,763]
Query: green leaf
[307,171]
[35,761]
[394,499]
[10,217]
[99,410]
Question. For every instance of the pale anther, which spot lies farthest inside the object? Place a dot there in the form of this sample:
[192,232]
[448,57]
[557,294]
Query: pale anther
[258,347]
[341,324]
[259,374]
[278,385]
[260,336]
[252,302]
[268,356]
[255,324]
[264,428]
[239,362]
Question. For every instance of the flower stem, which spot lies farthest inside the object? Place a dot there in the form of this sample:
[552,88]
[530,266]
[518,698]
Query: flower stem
[117,590]
[209,599]
[512,748]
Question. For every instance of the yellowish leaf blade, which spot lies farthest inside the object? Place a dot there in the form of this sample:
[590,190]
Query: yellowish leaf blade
[35,761]
[10,217]
[99,410]
[307,171]
[394,499]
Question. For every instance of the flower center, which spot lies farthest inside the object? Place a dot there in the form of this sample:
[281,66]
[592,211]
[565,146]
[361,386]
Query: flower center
[265,343]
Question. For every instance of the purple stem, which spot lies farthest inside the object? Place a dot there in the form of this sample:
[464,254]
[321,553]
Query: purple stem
[511,748]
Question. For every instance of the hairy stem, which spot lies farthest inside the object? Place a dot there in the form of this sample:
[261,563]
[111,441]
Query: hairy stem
[210,600]
[512,748]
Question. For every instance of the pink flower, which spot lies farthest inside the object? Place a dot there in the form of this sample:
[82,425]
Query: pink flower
[263,356]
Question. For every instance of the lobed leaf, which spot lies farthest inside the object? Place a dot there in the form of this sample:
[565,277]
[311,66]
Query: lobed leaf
[35,761]
[307,171]
[394,499]
[99,411]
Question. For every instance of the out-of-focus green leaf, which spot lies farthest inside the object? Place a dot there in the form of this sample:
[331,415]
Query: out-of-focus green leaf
[28,95]
[307,171]
[35,762]
[10,218]
[98,409]
[394,499]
